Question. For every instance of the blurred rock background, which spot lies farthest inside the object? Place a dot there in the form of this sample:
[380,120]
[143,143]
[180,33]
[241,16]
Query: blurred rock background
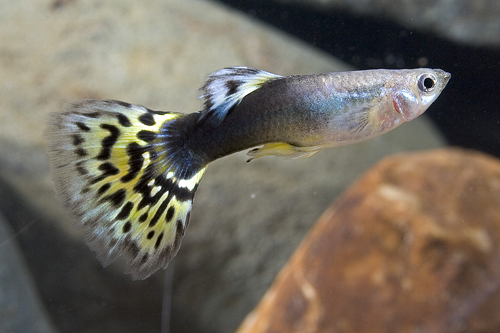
[468,22]
[21,309]
[247,218]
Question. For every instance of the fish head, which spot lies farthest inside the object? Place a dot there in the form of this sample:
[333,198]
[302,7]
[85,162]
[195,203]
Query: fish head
[416,90]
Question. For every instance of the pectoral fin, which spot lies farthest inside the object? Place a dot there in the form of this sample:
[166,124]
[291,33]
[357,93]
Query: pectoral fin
[282,149]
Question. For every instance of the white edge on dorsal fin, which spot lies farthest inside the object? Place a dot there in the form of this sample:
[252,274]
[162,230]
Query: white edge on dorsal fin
[226,88]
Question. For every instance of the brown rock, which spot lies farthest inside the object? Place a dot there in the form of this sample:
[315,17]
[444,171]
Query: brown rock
[413,246]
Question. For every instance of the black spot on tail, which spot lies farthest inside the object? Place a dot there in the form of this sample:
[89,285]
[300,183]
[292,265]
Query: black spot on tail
[158,213]
[125,212]
[94,115]
[150,234]
[135,162]
[123,120]
[81,169]
[108,169]
[82,126]
[126,227]
[188,218]
[147,136]
[170,213]
[124,104]
[143,217]
[116,198]
[147,119]
[158,240]
[103,189]
[77,139]
[131,247]
[108,142]
[81,152]
[178,234]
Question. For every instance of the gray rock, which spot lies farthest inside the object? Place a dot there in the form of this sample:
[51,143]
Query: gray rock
[247,218]
[20,306]
[469,22]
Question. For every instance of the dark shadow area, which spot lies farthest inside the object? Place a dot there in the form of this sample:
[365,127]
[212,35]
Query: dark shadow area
[76,291]
[467,113]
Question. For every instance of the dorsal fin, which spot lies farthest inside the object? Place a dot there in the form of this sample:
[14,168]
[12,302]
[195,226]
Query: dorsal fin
[226,88]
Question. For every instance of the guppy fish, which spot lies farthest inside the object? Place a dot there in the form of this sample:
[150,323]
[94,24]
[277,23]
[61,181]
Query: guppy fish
[129,174]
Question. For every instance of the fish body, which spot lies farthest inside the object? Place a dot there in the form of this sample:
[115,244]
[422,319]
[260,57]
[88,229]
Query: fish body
[308,113]
[129,174]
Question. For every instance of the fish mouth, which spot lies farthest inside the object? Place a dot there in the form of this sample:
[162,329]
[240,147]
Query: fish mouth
[443,76]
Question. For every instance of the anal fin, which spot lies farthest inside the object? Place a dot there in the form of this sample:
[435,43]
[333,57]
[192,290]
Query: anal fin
[282,149]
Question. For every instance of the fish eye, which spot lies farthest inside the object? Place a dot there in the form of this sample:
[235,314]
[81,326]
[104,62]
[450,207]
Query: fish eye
[426,83]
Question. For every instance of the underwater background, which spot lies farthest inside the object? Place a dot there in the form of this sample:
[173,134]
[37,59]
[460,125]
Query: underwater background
[457,36]
[248,219]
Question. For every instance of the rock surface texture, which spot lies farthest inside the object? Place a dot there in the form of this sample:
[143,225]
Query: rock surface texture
[469,22]
[413,246]
[247,218]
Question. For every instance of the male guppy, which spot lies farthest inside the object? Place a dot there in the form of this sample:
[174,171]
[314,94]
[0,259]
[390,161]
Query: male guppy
[129,174]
